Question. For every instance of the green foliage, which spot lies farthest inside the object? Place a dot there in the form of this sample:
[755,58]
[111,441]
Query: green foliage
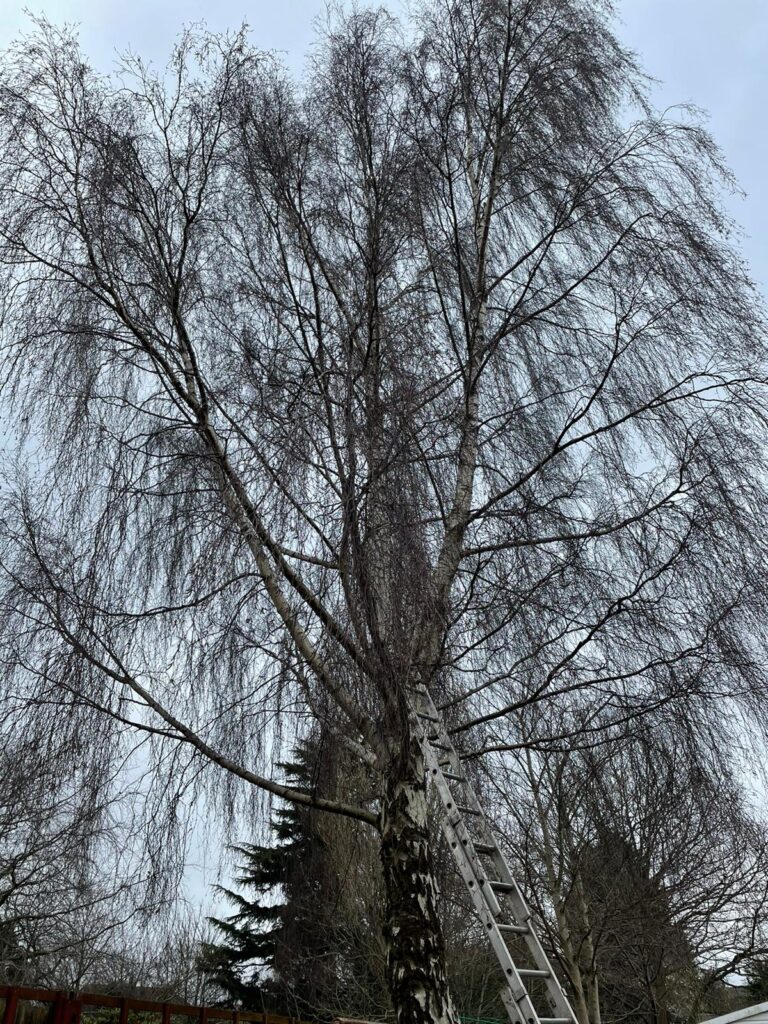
[757,981]
[12,955]
[304,938]
[275,950]
[645,965]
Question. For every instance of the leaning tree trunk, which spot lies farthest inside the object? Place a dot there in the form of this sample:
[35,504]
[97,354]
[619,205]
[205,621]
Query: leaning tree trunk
[416,970]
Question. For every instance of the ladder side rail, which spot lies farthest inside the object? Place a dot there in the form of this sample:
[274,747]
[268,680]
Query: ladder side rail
[519,1004]
[461,842]
[517,999]
[462,845]
[515,996]
[522,913]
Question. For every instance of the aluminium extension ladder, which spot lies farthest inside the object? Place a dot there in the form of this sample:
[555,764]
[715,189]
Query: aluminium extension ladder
[496,895]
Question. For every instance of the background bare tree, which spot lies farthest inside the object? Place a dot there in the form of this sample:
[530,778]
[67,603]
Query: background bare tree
[649,868]
[160,962]
[65,885]
[439,371]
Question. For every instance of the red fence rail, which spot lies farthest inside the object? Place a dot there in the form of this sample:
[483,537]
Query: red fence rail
[67,1007]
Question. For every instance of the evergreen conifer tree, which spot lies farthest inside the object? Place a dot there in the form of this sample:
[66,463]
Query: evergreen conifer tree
[275,949]
[757,980]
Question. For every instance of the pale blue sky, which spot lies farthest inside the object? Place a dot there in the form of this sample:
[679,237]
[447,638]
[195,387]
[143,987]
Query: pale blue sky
[711,52]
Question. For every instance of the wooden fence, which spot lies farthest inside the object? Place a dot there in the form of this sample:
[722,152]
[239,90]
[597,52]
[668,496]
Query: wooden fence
[67,1008]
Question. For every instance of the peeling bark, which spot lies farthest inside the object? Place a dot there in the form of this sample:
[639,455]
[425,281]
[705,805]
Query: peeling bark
[416,969]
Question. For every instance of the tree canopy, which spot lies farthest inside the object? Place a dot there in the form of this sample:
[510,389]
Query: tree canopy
[438,369]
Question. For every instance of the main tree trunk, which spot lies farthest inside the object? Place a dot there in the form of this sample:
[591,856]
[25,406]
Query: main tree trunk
[414,940]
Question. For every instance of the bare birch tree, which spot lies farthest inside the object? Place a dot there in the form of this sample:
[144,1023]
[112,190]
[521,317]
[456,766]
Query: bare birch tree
[63,881]
[437,371]
[648,865]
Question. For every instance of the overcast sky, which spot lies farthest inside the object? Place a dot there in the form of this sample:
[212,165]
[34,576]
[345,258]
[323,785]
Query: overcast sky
[711,52]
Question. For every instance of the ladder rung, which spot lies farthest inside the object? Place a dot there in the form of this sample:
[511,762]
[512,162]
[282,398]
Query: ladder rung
[503,886]
[466,850]
[485,848]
